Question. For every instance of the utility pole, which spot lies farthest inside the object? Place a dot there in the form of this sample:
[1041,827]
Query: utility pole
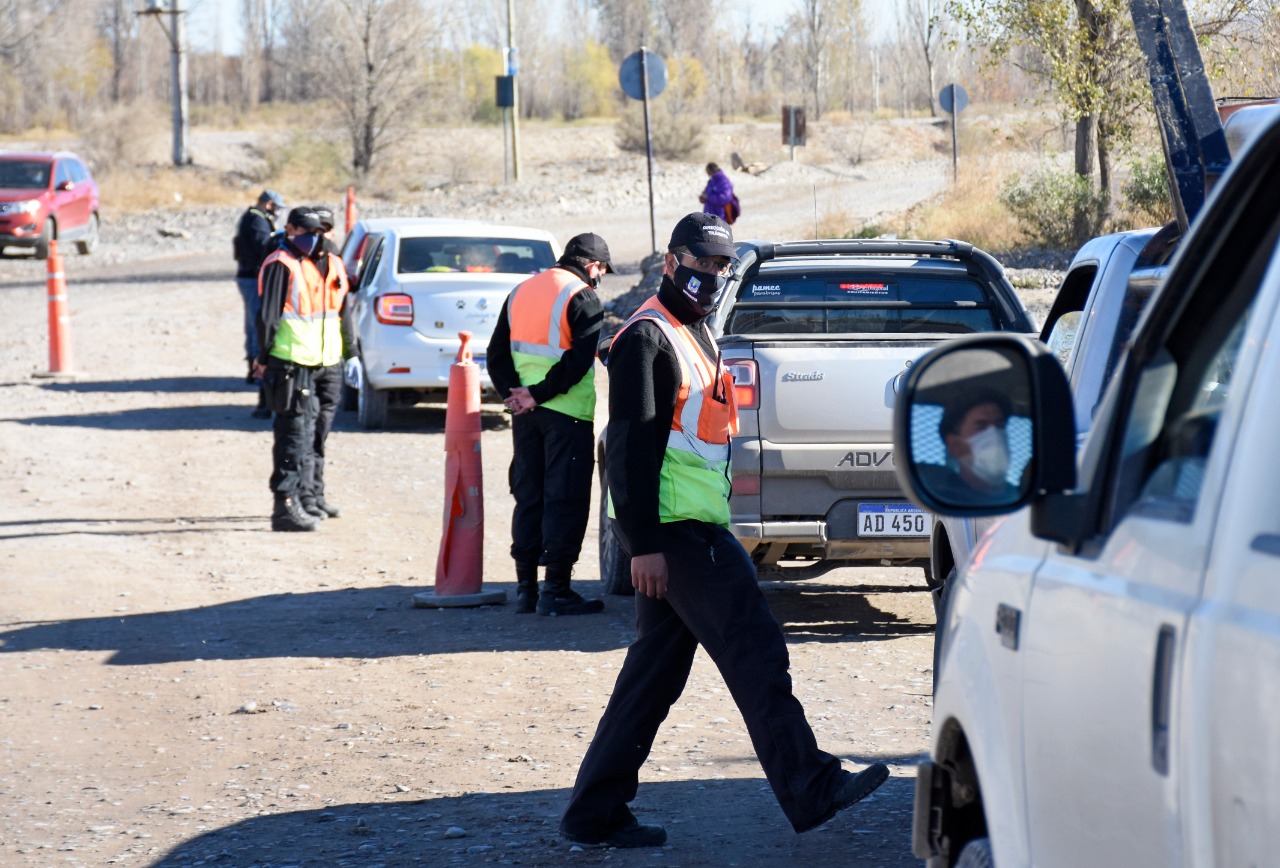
[178,73]
[515,90]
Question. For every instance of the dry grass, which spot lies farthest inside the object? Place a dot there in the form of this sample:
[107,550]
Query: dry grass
[969,209]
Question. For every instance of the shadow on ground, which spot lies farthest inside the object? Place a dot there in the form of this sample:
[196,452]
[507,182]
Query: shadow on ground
[382,622]
[709,822]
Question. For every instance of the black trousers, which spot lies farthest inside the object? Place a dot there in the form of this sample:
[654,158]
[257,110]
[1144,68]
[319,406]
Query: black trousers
[713,599]
[553,459]
[327,384]
[293,427]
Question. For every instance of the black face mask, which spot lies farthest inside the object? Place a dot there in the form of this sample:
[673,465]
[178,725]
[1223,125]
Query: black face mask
[699,288]
[306,244]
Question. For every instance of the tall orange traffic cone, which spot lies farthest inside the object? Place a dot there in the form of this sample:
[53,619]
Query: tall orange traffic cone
[351,209]
[460,564]
[59,318]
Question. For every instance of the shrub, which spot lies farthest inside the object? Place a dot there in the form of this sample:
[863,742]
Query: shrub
[1146,193]
[1054,209]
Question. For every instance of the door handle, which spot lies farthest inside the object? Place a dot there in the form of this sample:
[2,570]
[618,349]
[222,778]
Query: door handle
[1161,699]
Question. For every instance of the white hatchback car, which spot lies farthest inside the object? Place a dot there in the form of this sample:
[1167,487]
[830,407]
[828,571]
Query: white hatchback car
[418,282]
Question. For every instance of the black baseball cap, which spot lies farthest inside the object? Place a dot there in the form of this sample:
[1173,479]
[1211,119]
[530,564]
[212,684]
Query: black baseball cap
[326,217]
[588,245]
[304,217]
[703,235]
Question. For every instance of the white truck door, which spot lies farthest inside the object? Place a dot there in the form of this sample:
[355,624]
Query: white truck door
[1105,634]
[1232,686]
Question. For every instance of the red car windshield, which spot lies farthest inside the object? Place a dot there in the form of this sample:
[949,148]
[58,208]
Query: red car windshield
[24,174]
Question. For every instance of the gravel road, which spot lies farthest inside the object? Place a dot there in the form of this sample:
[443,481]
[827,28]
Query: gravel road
[184,687]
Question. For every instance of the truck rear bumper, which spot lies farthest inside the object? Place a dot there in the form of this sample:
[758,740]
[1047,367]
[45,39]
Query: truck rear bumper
[811,537]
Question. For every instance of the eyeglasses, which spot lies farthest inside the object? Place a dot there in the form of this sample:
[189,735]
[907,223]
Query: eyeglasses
[710,265]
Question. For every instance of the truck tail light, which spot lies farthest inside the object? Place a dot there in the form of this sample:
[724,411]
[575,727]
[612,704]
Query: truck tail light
[746,382]
[394,309]
[745,485]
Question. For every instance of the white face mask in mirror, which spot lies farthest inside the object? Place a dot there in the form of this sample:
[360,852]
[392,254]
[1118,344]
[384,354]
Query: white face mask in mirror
[989,456]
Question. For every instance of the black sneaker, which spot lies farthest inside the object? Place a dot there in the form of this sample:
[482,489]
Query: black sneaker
[853,789]
[635,835]
[288,516]
[568,603]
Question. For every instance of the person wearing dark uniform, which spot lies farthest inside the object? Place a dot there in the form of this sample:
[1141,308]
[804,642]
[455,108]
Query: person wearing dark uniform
[253,244]
[328,389]
[671,415]
[302,290]
[541,359]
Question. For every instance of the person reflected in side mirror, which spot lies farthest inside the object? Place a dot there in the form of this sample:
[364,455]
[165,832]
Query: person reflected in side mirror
[973,430]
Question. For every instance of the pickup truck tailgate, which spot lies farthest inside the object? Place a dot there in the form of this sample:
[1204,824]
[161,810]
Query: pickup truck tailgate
[827,412]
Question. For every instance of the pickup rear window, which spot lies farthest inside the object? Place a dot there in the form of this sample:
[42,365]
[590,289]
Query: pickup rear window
[861,303]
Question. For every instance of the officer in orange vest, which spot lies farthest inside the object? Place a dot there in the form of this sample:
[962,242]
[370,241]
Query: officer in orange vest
[302,289]
[541,359]
[672,415]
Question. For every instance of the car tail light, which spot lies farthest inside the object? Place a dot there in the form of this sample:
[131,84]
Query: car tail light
[394,309]
[746,382]
[746,485]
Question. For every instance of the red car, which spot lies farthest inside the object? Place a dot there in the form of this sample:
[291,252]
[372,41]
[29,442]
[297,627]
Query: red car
[44,196]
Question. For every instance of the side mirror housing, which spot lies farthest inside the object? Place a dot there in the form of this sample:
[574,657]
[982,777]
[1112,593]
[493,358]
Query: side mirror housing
[984,426]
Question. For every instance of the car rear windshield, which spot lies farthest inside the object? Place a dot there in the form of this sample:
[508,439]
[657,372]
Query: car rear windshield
[24,174]
[478,255]
[861,303]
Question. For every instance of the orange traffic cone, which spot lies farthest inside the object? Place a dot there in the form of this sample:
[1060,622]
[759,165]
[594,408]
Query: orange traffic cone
[460,565]
[351,209]
[59,318]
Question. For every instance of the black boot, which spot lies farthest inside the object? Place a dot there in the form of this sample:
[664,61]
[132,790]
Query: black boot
[325,507]
[559,599]
[288,515]
[311,507]
[526,588]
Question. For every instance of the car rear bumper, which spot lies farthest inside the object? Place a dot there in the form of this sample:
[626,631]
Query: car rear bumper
[404,359]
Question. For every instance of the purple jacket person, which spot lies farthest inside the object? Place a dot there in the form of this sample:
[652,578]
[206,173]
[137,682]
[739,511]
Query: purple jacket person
[717,197]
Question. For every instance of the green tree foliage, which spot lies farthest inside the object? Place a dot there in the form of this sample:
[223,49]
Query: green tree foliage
[591,82]
[1146,193]
[1054,209]
[481,64]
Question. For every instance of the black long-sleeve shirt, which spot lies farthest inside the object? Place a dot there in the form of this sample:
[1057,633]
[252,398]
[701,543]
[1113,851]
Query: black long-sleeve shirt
[644,381]
[253,241]
[585,314]
[275,289]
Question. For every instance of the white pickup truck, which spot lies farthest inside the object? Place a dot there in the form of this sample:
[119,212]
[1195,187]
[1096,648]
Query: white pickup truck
[1108,693]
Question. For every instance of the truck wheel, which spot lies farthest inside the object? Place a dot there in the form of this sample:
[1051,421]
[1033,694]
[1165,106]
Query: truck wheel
[350,400]
[47,233]
[371,406]
[615,566]
[976,854]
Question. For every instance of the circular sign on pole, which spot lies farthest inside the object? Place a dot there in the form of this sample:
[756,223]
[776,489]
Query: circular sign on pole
[629,75]
[953,99]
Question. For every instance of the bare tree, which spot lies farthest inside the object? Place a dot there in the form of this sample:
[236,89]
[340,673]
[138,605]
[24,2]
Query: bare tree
[927,24]
[377,76]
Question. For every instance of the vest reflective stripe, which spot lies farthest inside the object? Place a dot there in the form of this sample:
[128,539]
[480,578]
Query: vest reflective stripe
[309,332]
[694,480]
[538,314]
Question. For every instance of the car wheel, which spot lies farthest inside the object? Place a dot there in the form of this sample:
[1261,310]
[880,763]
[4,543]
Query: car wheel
[976,854]
[371,406]
[47,233]
[615,566]
[89,241]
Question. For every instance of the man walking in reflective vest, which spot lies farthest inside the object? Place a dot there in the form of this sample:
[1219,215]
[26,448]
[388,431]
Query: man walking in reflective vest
[672,414]
[541,359]
[302,289]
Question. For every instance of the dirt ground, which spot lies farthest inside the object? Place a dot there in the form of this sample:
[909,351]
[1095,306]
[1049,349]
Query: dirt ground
[183,687]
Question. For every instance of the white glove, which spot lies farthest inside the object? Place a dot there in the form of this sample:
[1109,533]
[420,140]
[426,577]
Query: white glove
[351,372]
